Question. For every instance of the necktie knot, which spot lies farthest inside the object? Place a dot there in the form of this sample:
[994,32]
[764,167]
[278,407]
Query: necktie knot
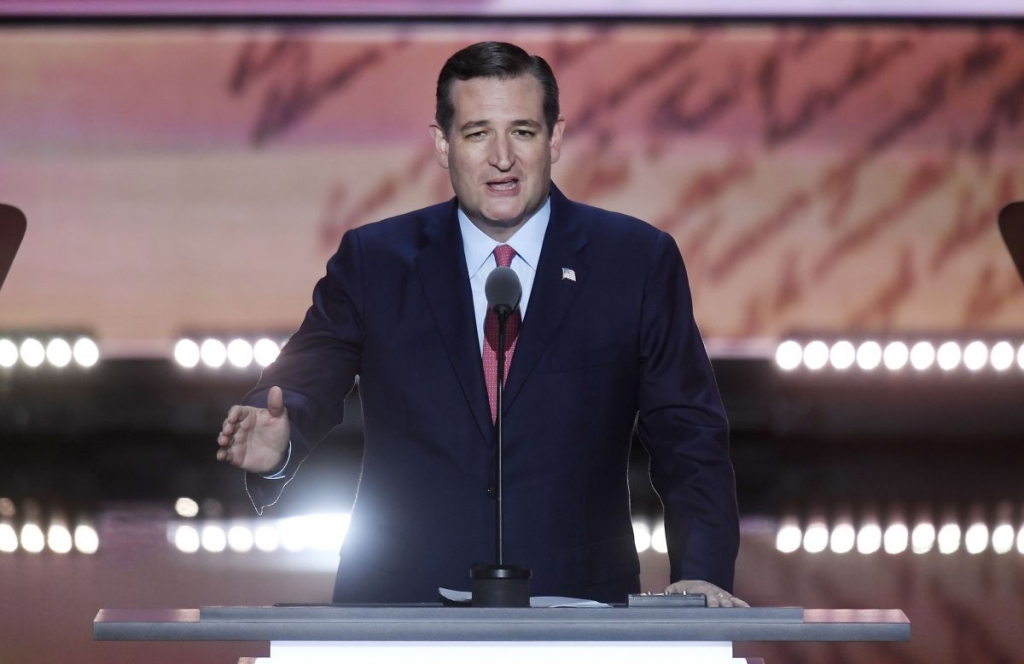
[503,254]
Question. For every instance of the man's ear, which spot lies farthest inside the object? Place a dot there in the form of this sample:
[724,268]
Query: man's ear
[440,144]
[555,142]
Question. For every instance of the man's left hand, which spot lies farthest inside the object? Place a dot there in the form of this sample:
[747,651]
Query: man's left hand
[716,596]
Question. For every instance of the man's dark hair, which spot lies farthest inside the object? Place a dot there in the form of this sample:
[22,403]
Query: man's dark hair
[494,60]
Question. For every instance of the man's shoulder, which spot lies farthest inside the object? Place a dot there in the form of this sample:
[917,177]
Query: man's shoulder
[613,226]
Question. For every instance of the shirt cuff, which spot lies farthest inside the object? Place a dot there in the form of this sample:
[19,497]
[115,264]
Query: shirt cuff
[280,474]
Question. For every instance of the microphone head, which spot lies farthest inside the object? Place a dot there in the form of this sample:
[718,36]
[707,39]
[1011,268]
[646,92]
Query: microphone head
[503,291]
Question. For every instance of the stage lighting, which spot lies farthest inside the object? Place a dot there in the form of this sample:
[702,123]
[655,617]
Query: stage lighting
[32,352]
[922,538]
[32,538]
[8,538]
[869,538]
[240,539]
[213,353]
[86,352]
[186,507]
[815,355]
[658,540]
[186,538]
[641,536]
[815,537]
[186,353]
[869,355]
[266,538]
[1001,356]
[788,355]
[922,355]
[948,356]
[58,353]
[976,538]
[87,540]
[895,538]
[843,538]
[240,353]
[789,537]
[842,355]
[975,355]
[895,355]
[213,538]
[265,352]
[949,538]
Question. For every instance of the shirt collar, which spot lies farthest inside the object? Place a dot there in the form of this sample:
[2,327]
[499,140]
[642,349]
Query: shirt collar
[527,241]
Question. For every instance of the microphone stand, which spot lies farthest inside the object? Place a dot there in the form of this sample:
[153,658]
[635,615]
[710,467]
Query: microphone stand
[500,585]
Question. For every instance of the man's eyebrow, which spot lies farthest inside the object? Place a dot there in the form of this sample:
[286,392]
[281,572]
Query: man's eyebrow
[475,124]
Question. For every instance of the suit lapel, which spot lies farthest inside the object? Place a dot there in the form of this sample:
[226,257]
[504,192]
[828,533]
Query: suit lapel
[552,292]
[441,267]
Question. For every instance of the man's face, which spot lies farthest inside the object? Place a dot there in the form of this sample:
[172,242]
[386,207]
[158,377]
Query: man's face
[499,152]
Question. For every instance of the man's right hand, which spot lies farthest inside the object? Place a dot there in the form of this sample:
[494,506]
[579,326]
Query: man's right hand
[256,439]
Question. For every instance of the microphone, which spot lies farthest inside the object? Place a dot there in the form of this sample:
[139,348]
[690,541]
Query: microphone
[503,292]
[501,585]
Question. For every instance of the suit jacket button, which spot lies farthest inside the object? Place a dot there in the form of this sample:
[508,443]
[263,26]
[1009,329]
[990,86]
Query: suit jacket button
[492,492]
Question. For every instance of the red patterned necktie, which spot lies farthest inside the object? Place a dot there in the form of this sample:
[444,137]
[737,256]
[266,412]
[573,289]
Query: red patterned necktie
[503,254]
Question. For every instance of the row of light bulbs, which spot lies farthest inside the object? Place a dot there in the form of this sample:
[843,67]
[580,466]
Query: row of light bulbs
[215,353]
[58,538]
[897,355]
[897,538]
[57,352]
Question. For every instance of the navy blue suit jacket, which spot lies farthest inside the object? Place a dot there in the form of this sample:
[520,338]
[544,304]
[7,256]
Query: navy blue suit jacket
[614,349]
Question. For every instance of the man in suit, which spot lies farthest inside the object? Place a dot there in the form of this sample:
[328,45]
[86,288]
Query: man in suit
[607,345]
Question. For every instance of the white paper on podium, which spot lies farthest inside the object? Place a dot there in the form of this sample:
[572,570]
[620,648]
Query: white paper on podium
[466,597]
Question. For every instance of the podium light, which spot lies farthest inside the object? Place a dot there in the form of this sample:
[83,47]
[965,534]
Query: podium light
[213,539]
[1001,356]
[58,538]
[8,353]
[32,352]
[922,538]
[58,353]
[32,538]
[186,507]
[86,352]
[922,355]
[1002,538]
[842,355]
[788,355]
[186,353]
[816,537]
[975,355]
[843,538]
[641,536]
[213,353]
[895,538]
[815,355]
[869,538]
[240,539]
[895,355]
[658,541]
[949,538]
[265,352]
[789,537]
[186,538]
[869,355]
[8,538]
[87,540]
[240,353]
[266,538]
[948,356]
[976,538]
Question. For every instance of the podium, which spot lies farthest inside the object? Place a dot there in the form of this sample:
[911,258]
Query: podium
[393,634]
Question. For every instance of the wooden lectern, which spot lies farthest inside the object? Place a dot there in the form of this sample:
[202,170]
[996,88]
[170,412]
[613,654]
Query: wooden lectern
[426,634]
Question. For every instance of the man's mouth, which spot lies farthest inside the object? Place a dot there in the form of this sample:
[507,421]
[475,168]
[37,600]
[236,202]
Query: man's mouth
[503,185]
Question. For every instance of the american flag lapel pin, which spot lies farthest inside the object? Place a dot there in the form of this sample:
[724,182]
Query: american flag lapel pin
[568,274]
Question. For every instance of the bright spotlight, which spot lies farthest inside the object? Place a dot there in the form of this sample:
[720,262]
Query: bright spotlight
[895,538]
[186,507]
[1001,356]
[843,538]
[240,353]
[642,536]
[213,539]
[1020,540]
[1020,357]
[58,538]
[788,539]
[186,353]
[816,537]
[87,540]
[869,538]
[8,538]
[8,353]
[975,355]
[949,538]
[895,355]
[266,538]
[922,538]
[948,355]
[265,352]
[32,352]
[788,355]
[1002,538]
[869,355]
[922,355]
[842,355]
[32,539]
[658,540]
[240,539]
[815,355]
[213,353]
[186,538]
[976,538]
[58,353]
[86,353]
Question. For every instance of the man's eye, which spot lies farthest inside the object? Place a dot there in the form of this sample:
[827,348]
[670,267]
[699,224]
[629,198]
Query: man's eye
[476,134]
[525,133]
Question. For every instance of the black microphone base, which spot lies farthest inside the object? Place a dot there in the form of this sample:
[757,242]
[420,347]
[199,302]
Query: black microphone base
[501,586]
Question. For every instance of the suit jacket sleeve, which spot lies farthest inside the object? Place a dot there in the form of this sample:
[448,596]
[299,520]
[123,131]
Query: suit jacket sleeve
[317,367]
[683,425]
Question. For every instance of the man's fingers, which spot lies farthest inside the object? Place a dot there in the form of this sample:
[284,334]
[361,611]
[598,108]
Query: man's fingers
[275,401]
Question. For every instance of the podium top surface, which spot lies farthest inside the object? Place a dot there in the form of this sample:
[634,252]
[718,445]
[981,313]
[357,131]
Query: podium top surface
[433,623]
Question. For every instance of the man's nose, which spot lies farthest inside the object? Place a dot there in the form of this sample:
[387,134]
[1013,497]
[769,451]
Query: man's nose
[502,154]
